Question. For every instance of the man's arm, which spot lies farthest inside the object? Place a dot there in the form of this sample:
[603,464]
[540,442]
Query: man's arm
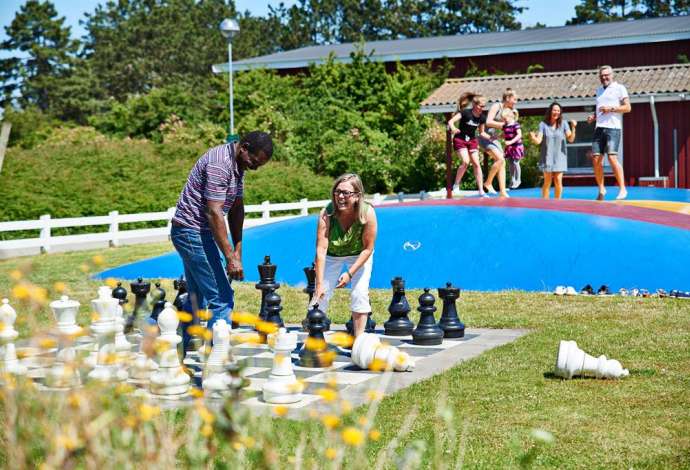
[236,223]
[216,221]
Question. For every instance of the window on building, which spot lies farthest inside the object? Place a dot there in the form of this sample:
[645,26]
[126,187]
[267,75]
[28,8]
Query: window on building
[580,151]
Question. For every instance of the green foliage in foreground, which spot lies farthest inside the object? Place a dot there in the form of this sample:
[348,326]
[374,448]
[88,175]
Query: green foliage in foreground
[79,172]
[482,413]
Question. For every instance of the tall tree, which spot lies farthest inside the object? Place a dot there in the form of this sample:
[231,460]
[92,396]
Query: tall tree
[601,11]
[43,53]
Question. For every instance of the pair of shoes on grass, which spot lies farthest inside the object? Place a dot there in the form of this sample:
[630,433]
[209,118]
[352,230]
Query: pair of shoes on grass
[565,290]
[589,290]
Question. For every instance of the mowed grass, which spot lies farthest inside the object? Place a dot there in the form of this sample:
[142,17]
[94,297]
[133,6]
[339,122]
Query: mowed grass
[482,413]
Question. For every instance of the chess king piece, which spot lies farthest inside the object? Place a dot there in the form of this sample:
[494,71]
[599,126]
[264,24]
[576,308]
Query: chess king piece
[140,289]
[572,360]
[282,386]
[369,353]
[370,326]
[158,297]
[427,332]
[170,379]
[449,322]
[267,282]
[8,354]
[399,323]
[314,352]
[64,373]
[108,368]
[215,378]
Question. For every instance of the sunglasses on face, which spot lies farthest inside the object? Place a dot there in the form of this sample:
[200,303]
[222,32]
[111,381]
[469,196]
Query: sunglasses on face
[345,194]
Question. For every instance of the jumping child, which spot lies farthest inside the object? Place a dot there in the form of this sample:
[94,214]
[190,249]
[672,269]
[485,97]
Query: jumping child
[514,151]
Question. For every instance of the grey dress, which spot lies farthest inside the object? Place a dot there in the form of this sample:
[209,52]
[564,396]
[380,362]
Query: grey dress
[553,156]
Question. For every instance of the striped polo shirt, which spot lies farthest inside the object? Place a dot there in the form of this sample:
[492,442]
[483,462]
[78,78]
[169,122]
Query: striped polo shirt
[216,177]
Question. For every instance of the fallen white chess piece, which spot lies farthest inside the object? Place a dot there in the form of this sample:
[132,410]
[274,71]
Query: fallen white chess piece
[572,361]
[369,353]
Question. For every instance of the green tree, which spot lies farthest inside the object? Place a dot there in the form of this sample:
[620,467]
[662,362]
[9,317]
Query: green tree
[601,11]
[43,55]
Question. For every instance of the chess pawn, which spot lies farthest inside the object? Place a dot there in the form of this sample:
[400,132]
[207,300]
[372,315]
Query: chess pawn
[273,308]
[282,385]
[180,285]
[8,354]
[427,332]
[369,327]
[449,322]
[267,278]
[314,352]
[64,374]
[399,323]
[369,353]
[158,298]
[170,379]
[215,378]
[572,360]
[108,368]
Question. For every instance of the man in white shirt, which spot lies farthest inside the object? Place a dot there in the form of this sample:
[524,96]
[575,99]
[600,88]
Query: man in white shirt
[612,103]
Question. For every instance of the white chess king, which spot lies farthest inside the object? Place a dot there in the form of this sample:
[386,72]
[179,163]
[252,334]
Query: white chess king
[170,379]
[368,349]
[572,361]
[282,386]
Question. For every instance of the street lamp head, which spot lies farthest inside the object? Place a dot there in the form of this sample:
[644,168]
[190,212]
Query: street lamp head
[229,28]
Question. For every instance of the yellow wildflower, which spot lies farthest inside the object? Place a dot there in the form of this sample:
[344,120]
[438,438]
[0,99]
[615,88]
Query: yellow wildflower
[352,436]
[60,287]
[111,282]
[280,410]
[374,395]
[206,430]
[67,442]
[84,268]
[205,414]
[374,435]
[123,388]
[20,292]
[196,392]
[248,441]
[245,318]
[160,346]
[237,445]
[74,400]
[148,412]
[332,382]
[47,343]
[313,414]
[98,260]
[15,275]
[331,453]
[341,339]
[195,330]
[345,406]
[94,316]
[363,421]
[330,421]
[314,344]
[378,365]
[327,394]
[204,315]
[38,294]
[184,317]
[266,327]
[327,357]
[130,421]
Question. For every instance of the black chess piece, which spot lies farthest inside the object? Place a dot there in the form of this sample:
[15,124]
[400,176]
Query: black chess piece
[273,308]
[450,323]
[140,289]
[399,323]
[267,282]
[120,293]
[310,273]
[180,286]
[370,326]
[314,352]
[427,332]
[158,297]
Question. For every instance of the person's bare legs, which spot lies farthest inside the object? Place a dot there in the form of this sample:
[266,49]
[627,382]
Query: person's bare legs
[558,184]
[474,158]
[618,173]
[598,166]
[359,322]
[546,187]
[497,169]
[465,158]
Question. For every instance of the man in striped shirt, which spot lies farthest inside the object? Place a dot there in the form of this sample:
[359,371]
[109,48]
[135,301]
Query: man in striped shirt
[214,189]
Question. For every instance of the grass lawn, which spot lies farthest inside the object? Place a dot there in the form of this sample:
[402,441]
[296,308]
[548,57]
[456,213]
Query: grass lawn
[482,413]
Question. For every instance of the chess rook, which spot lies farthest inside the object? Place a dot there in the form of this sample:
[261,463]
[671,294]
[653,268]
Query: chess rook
[427,332]
[282,385]
[449,322]
[399,323]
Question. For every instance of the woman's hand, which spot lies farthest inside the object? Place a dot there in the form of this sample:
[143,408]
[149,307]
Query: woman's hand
[343,279]
[319,292]
[573,124]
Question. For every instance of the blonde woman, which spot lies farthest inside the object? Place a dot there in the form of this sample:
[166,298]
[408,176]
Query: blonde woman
[469,122]
[345,239]
[492,146]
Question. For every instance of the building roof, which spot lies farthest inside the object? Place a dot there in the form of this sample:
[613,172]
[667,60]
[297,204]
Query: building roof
[479,44]
[538,90]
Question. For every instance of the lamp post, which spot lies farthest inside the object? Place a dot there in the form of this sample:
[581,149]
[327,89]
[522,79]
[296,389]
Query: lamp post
[229,29]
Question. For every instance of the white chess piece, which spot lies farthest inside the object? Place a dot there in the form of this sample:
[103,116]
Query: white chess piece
[282,386]
[368,349]
[121,343]
[143,366]
[170,379]
[572,361]
[8,354]
[108,367]
[63,373]
[215,378]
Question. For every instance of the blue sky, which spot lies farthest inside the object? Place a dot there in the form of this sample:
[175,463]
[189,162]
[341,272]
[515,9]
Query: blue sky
[549,12]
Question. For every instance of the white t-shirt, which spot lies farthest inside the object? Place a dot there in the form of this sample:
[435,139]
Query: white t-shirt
[610,96]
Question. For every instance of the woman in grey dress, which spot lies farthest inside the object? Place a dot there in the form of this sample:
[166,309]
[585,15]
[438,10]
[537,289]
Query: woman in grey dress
[553,161]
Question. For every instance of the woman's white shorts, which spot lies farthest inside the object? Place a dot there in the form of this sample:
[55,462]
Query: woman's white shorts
[359,296]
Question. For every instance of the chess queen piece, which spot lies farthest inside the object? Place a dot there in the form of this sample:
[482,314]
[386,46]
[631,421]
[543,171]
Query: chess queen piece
[215,378]
[282,385]
[314,352]
[427,332]
[170,379]
[108,367]
[572,360]
[369,327]
[267,282]
[449,322]
[9,364]
[399,323]
[64,373]
[369,353]
[140,289]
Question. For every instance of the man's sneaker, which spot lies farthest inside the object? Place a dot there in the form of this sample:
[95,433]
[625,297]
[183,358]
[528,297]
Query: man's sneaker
[587,290]
[604,290]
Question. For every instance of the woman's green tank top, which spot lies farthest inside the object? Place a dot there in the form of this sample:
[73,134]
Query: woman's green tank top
[342,243]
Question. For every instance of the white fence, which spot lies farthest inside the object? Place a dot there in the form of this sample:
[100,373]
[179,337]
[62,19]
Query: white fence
[46,242]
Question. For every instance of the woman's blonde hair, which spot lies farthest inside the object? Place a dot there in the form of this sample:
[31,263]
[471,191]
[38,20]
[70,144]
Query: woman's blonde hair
[358,187]
[509,112]
[466,97]
[508,94]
